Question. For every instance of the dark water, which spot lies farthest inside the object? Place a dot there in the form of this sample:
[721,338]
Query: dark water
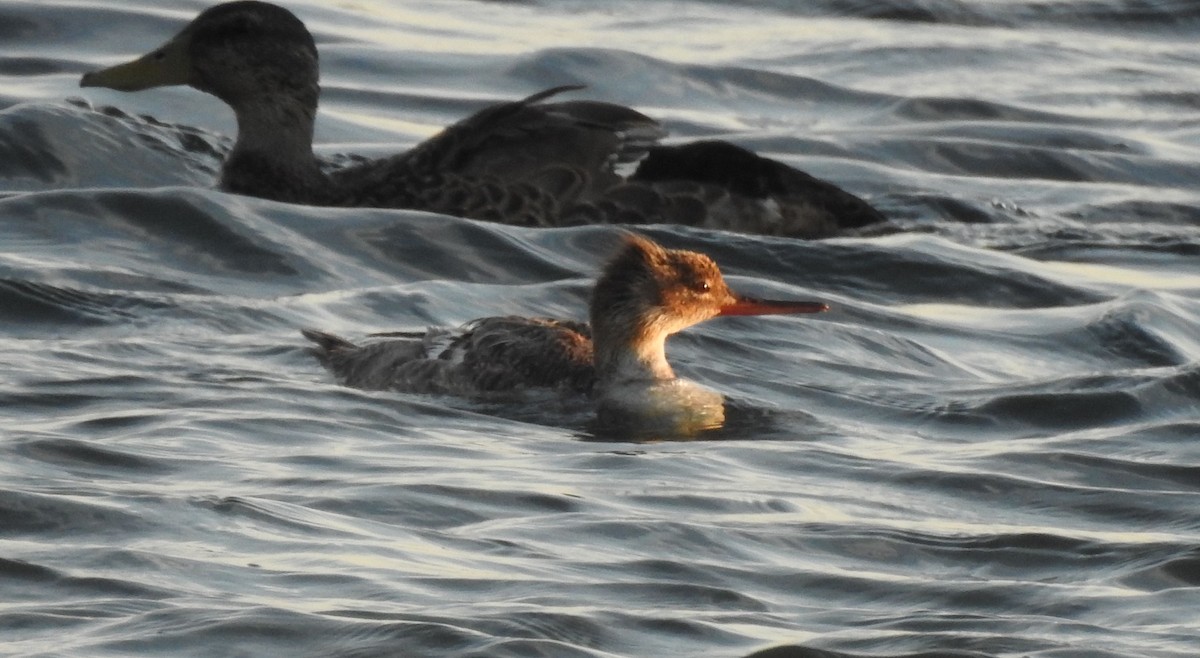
[991,447]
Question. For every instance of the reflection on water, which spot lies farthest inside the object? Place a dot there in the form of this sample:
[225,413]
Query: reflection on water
[677,409]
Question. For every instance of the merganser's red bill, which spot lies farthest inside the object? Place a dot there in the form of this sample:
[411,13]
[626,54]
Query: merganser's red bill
[750,306]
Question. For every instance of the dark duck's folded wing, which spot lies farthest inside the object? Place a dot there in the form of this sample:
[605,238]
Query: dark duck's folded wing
[523,162]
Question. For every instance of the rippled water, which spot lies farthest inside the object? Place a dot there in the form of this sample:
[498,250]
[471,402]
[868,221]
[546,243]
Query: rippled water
[990,447]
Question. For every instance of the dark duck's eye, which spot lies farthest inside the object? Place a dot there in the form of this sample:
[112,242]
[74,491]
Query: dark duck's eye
[701,286]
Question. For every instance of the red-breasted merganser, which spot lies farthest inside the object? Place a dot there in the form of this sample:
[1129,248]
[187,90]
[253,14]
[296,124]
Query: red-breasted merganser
[526,162]
[643,295]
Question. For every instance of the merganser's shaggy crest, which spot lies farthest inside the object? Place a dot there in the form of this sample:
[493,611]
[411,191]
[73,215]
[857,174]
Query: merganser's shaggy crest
[527,162]
[644,294]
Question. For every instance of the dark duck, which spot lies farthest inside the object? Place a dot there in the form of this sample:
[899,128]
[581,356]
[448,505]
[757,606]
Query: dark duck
[531,162]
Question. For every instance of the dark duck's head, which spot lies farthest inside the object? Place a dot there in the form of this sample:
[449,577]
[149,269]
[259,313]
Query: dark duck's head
[238,52]
[260,60]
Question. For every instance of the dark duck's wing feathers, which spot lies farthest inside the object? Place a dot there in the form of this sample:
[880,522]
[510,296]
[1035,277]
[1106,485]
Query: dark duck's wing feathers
[522,162]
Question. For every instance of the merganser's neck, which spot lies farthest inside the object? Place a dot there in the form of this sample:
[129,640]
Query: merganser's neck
[628,353]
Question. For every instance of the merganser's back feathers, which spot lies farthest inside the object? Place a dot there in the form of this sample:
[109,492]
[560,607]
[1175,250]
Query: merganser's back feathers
[529,162]
[491,355]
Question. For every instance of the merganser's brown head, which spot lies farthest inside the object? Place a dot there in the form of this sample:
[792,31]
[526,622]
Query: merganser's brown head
[647,292]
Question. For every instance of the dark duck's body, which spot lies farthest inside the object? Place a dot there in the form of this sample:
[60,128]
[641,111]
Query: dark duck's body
[527,162]
[645,294]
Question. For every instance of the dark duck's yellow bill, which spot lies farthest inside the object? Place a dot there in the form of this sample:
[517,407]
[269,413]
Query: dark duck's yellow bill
[165,66]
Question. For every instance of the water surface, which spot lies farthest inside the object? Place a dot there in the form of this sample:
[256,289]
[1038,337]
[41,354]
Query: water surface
[988,448]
